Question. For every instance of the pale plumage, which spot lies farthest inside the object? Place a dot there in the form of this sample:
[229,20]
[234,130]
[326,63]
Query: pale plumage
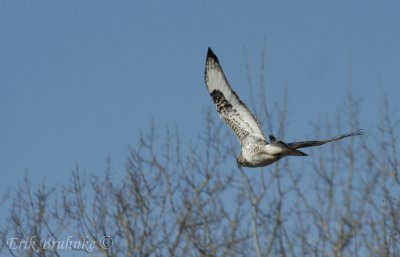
[256,151]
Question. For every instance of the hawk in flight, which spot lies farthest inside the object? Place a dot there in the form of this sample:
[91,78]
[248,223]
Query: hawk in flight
[255,150]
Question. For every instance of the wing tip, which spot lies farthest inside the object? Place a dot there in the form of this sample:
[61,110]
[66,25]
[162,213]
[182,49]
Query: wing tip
[358,132]
[211,55]
[272,139]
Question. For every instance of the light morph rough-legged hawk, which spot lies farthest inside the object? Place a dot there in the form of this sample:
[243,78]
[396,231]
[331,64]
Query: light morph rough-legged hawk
[256,151]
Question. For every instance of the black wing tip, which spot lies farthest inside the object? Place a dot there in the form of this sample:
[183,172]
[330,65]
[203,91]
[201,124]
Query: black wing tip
[358,132]
[211,55]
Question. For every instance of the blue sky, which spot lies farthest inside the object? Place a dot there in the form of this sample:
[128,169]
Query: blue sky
[79,79]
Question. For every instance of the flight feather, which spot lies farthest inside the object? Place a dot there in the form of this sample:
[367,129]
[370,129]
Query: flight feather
[229,106]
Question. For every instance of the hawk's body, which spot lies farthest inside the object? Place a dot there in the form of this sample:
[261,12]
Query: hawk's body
[256,151]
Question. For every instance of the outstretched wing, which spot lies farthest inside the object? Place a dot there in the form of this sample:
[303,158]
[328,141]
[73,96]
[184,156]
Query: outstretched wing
[304,144]
[230,108]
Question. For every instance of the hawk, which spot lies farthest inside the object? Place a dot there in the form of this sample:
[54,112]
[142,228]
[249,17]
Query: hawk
[255,150]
